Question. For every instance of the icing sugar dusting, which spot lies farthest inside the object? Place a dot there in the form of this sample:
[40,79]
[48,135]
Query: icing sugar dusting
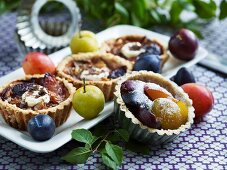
[167,106]
[157,87]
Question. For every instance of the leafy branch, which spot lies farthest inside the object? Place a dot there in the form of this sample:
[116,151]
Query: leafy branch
[148,13]
[143,13]
[105,141]
[138,12]
[111,154]
[7,5]
[223,9]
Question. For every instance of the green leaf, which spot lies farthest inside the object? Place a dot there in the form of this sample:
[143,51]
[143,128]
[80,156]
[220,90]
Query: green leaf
[223,9]
[108,161]
[120,15]
[113,20]
[78,155]
[8,5]
[135,20]
[175,11]
[139,8]
[115,152]
[205,10]
[118,135]
[100,130]
[82,135]
[165,4]
[121,9]
[137,147]
[187,5]
[123,133]
[2,6]
[155,16]
[194,27]
[95,12]
[94,140]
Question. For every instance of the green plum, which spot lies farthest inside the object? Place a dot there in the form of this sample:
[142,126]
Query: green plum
[84,41]
[88,101]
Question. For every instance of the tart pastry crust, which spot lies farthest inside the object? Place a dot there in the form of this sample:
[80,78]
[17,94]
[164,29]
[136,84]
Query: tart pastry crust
[107,86]
[108,45]
[18,117]
[135,127]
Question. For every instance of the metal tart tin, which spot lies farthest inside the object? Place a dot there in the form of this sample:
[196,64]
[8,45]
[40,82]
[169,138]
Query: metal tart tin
[30,33]
[135,128]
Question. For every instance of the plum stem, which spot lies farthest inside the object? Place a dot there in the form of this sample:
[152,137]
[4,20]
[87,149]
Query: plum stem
[84,85]
[179,37]
[103,140]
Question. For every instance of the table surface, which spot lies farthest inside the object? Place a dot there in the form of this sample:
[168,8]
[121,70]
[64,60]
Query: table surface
[202,147]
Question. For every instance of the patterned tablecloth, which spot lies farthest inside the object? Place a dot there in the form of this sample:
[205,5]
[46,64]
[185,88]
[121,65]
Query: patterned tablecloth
[202,147]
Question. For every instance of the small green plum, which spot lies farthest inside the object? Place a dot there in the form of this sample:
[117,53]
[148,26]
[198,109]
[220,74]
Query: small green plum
[88,101]
[84,41]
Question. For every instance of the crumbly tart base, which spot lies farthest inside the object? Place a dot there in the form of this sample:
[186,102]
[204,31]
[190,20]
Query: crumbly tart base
[134,126]
[18,118]
[107,87]
[164,57]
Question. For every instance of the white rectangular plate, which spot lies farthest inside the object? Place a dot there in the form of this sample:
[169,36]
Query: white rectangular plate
[215,62]
[63,133]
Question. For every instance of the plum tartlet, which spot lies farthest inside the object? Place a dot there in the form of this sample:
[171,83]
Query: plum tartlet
[25,98]
[130,47]
[152,108]
[99,69]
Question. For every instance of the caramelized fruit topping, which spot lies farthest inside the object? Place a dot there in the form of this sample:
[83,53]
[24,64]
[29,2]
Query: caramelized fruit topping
[164,112]
[168,113]
[135,100]
[183,110]
[132,85]
[57,91]
[154,93]
[118,72]
[154,48]
[148,118]
[20,88]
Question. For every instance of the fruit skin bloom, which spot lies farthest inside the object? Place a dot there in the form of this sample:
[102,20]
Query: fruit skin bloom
[38,63]
[202,98]
[183,44]
[168,113]
[88,101]
[84,41]
[149,62]
[184,76]
[41,127]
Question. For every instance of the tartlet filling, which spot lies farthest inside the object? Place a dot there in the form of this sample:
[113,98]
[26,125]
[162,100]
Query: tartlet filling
[153,105]
[35,93]
[130,47]
[95,73]
[94,69]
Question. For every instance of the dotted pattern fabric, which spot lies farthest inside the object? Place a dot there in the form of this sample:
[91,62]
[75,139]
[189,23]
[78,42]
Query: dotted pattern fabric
[215,35]
[201,147]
